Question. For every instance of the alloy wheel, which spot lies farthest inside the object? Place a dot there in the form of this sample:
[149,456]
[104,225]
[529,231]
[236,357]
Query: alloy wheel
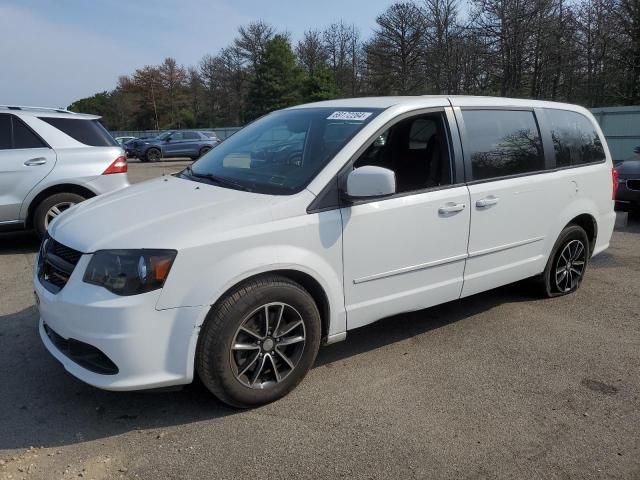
[570,266]
[153,155]
[56,210]
[268,345]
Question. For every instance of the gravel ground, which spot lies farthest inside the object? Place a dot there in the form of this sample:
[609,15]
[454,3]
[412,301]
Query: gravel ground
[498,385]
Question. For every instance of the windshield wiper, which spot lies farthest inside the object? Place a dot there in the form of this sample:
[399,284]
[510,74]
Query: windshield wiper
[226,182]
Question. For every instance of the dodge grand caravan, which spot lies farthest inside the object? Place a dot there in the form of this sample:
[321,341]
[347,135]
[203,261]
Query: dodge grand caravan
[313,221]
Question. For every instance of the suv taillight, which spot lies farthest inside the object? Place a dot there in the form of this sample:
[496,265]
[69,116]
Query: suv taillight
[119,165]
[614,179]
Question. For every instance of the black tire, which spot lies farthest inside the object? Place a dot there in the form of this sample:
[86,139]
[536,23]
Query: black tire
[152,155]
[549,278]
[215,361]
[203,150]
[41,215]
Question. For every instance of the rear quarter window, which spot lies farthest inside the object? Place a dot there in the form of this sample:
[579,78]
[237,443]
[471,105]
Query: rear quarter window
[575,139]
[89,132]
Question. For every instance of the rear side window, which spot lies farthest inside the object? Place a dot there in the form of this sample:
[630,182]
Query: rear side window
[89,132]
[575,139]
[5,132]
[15,134]
[23,136]
[191,136]
[502,142]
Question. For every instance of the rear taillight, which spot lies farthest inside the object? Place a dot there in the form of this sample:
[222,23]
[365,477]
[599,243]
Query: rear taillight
[119,165]
[614,179]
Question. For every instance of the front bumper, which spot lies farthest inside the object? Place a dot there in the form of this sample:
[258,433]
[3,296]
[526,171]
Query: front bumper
[626,198]
[150,348]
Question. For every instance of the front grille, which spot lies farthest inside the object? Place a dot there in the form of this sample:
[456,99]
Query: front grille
[83,354]
[56,264]
[633,184]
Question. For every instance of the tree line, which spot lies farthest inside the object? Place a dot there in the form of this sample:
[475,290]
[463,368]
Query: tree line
[580,51]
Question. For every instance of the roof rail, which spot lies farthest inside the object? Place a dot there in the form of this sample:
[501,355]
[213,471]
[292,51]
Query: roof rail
[44,109]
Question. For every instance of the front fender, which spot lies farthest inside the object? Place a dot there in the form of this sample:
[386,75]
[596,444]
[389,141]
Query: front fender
[202,274]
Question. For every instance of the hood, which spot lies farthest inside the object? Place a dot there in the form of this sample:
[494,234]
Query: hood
[629,169]
[166,212]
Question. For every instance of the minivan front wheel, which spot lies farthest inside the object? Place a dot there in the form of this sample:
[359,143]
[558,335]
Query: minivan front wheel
[50,208]
[568,262]
[259,341]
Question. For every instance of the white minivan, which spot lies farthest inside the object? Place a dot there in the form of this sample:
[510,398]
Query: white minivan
[313,221]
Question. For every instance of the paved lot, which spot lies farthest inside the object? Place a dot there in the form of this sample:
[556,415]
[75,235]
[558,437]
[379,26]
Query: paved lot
[499,385]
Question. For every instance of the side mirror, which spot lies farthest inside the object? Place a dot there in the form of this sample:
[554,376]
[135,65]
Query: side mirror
[167,140]
[371,182]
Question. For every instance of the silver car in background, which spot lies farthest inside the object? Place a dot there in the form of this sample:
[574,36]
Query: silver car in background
[51,159]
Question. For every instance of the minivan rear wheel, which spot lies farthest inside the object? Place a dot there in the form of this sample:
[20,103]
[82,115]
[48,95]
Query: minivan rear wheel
[567,263]
[258,342]
[50,208]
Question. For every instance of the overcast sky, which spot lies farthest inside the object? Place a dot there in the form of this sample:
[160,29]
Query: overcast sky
[53,52]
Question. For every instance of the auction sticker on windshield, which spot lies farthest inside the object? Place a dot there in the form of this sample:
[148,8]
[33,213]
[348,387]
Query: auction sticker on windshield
[358,116]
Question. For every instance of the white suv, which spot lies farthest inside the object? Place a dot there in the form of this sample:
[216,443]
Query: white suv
[313,221]
[51,159]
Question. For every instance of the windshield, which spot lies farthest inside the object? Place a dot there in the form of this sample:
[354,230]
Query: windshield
[281,152]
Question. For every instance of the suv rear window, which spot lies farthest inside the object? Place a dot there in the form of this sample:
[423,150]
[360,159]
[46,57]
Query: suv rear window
[89,132]
[575,139]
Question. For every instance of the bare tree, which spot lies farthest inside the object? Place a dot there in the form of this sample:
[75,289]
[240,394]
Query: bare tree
[396,49]
[442,71]
[310,52]
[628,47]
[173,81]
[596,39]
[251,41]
[342,44]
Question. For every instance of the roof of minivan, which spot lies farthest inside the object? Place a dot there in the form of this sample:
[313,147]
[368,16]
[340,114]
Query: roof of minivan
[46,112]
[429,100]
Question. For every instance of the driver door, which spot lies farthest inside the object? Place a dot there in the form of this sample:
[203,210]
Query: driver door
[408,251]
[174,145]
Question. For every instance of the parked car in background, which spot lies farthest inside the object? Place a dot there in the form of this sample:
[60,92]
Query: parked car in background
[123,140]
[628,194]
[316,220]
[50,160]
[172,144]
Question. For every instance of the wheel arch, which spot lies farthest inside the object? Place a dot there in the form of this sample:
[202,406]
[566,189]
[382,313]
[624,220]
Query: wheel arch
[304,279]
[589,224]
[52,190]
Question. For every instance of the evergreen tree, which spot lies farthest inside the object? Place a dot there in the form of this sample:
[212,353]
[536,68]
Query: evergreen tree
[277,80]
[319,85]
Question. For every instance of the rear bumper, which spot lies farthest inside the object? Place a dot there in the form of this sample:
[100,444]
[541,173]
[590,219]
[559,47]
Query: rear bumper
[108,183]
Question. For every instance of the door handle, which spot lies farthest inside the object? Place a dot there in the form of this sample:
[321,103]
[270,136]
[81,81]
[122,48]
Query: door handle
[451,207]
[487,201]
[35,161]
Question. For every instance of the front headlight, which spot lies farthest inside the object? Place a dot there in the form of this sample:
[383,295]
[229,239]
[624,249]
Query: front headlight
[130,272]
